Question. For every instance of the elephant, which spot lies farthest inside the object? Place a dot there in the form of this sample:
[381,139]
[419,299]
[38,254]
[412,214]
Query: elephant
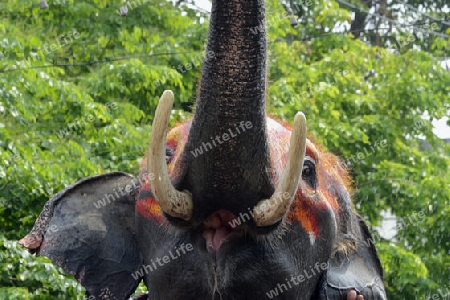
[229,205]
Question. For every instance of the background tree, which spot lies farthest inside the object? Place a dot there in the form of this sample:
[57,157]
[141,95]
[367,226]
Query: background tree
[83,107]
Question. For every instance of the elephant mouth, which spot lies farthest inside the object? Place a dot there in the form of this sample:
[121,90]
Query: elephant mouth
[220,228]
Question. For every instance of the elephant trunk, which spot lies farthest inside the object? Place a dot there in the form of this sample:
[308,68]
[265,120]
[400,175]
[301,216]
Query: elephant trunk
[227,153]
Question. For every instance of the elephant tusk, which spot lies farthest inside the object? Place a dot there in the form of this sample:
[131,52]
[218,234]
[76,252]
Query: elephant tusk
[173,202]
[269,211]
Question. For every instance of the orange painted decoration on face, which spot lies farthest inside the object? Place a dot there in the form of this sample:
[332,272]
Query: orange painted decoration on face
[147,206]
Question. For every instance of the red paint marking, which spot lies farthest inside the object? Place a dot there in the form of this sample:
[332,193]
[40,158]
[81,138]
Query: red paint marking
[148,207]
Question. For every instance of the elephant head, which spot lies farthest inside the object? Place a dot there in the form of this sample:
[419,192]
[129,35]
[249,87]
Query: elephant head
[230,205]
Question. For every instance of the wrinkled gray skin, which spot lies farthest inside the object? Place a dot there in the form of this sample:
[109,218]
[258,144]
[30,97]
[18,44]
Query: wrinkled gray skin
[103,247]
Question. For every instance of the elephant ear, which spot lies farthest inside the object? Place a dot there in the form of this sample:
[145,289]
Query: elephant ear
[88,229]
[359,270]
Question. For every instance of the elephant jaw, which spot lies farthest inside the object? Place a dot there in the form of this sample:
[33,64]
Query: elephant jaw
[219,229]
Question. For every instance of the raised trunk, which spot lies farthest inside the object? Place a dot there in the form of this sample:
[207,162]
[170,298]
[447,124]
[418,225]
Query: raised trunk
[229,124]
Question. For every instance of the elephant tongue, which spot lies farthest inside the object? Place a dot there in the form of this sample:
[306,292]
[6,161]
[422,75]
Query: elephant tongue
[215,238]
[218,228]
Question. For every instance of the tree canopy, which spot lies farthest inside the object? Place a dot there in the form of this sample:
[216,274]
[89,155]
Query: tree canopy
[79,84]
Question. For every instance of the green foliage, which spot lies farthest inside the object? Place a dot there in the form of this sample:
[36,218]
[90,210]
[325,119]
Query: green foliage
[27,277]
[351,114]
[59,124]
[405,269]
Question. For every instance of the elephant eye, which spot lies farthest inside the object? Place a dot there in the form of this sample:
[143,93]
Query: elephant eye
[309,173]
[169,154]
